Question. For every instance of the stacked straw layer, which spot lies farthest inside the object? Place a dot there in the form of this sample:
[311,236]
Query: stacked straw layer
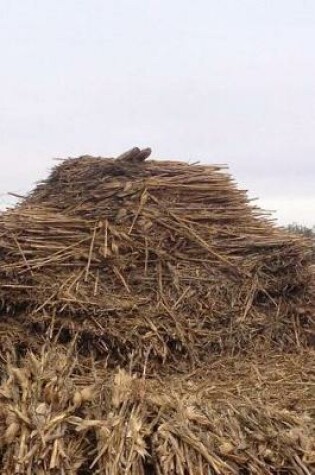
[163,258]
[153,322]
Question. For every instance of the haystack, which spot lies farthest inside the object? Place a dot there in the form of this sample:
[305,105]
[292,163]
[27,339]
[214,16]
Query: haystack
[156,320]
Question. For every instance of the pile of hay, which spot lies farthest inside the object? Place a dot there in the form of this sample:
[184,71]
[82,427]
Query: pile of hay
[139,303]
[62,414]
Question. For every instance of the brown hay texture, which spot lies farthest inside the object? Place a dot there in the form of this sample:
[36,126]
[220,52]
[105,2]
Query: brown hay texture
[153,321]
[61,414]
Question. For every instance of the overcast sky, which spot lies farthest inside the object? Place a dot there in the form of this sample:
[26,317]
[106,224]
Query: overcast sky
[223,81]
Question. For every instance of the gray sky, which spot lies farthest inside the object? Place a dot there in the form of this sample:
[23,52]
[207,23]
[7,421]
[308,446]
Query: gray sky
[223,81]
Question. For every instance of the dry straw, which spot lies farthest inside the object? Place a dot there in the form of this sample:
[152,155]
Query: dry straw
[140,300]
[62,414]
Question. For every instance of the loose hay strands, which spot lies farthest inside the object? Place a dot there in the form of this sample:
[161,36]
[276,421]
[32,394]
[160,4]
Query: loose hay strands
[37,400]
[163,254]
[62,415]
[153,322]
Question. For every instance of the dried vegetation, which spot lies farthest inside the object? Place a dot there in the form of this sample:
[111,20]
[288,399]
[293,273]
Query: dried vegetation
[153,322]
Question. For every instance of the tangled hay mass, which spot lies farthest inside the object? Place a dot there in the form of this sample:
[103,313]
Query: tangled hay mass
[153,321]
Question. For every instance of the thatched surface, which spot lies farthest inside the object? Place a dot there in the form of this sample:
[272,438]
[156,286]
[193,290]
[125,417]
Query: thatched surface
[153,322]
